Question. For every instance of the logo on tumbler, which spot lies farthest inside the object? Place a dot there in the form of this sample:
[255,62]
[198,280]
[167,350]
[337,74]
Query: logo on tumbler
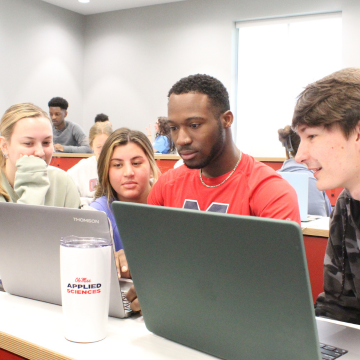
[85,288]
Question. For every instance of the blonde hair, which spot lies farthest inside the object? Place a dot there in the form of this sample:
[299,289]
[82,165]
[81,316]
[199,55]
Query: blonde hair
[121,137]
[11,116]
[99,128]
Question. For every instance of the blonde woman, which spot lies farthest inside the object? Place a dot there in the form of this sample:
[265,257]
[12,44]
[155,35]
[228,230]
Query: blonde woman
[26,143]
[127,170]
[84,173]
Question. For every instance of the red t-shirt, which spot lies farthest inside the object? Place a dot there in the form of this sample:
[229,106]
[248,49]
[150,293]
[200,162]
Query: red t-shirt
[253,189]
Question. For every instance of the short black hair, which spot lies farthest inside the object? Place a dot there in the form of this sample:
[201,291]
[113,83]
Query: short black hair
[58,102]
[204,84]
[101,118]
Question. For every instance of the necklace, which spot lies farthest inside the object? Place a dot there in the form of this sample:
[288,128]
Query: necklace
[213,186]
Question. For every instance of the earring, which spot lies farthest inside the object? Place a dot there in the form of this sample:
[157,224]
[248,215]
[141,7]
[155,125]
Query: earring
[5,155]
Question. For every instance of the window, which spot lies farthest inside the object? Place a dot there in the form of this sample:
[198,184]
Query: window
[277,58]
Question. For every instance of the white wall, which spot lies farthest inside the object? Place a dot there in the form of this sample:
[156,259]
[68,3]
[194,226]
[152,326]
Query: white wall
[123,63]
[41,55]
[133,57]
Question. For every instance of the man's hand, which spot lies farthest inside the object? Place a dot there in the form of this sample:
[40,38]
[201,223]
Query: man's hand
[122,265]
[132,297]
[58,147]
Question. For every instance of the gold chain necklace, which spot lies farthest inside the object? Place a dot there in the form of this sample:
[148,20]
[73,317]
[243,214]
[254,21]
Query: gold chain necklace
[213,186]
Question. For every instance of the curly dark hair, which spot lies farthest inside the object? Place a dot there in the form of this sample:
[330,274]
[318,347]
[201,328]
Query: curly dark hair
[204,84]
[101,118]
[58,102]
[164,130]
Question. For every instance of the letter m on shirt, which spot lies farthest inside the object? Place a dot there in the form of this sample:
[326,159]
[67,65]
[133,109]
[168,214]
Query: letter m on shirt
[214,207]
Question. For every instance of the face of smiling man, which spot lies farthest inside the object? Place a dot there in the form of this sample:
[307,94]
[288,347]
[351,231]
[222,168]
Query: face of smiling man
[334,158]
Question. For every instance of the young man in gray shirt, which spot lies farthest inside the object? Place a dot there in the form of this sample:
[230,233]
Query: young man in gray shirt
[68,136]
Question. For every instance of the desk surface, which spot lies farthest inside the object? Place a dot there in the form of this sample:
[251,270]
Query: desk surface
[318,227]
[33,329]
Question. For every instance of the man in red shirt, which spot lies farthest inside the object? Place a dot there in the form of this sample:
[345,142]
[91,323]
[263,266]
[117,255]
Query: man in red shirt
[216,176]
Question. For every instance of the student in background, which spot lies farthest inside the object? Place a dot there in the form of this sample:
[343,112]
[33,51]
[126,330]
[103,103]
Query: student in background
[163,143]
[127,170]
[26,177]
[84,173]
[327,119]
[68,136]
[102,118]
[318,202]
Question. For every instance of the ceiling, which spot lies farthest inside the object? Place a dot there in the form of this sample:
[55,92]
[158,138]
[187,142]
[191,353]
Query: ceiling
[99,6]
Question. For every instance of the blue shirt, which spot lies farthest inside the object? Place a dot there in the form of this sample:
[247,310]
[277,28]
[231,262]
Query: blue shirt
[318,202]
[162,144]
[101,204]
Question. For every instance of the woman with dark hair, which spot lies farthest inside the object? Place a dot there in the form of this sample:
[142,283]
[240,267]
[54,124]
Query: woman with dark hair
[163,143]
[318,203]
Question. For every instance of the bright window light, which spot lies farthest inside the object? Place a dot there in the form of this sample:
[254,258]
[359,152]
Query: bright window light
[84,1]
[277,58]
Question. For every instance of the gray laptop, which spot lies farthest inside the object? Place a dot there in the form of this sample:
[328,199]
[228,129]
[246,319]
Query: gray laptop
[236,287]
[30,251]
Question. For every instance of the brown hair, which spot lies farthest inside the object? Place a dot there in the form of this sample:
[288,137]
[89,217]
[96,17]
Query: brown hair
[11,116]
[335,99]
[99,128]
[121,137]
[164,130]
[290,140]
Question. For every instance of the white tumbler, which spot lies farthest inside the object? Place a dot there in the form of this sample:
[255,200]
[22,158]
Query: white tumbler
[85,265]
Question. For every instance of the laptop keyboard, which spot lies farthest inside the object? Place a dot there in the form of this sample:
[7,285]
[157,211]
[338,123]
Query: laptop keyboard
[331,352]
[126,302]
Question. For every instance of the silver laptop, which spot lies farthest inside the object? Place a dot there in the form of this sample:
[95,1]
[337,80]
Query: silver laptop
[236,287]
[30,251]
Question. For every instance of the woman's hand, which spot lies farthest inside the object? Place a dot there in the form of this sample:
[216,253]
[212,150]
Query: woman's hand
[132,297]
[122,265]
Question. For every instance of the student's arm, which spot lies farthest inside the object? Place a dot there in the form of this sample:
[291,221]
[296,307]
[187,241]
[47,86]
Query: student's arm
[31,180]
[120,258]
[82,141]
